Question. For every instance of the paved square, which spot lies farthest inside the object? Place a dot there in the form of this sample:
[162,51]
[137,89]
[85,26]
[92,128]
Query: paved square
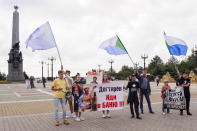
[24,109]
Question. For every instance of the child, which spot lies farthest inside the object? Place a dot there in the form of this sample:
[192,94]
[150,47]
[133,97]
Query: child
[163,96]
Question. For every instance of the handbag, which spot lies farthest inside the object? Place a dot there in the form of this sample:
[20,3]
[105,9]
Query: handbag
[68,95]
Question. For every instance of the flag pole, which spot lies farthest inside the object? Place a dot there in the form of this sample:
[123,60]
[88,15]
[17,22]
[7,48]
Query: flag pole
[176,68]
[57,49]
[59,56]
[126,51]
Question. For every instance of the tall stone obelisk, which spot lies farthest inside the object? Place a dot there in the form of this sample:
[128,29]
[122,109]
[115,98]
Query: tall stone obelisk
[15,62]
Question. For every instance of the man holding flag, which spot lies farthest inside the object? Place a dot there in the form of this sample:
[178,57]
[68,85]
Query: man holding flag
[178,47]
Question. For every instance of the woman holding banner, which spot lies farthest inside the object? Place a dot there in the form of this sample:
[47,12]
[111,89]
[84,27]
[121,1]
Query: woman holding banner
[164,89]
[105,80]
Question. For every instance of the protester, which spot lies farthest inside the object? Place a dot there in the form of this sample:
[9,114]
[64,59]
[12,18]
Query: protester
[94,80]
[105,80]
[145,90]
[133,96]
[59,87]
[69,96]
[77,91]
[43,82]
[164,89]
[185,83]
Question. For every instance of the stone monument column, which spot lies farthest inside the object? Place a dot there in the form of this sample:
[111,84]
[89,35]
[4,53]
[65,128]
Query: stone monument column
[15,26]
[15,62]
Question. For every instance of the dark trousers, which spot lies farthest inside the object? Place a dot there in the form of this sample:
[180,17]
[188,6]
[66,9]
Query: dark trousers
[187,103]
[136,106]
[44,84]
[157,83]
[146,94]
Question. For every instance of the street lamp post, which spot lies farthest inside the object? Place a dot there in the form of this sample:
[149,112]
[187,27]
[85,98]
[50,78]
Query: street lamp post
[42,62]
[111,62]
[144,57]
[136,66]
[195,53]
[99,68]
[48,70]
[52,59]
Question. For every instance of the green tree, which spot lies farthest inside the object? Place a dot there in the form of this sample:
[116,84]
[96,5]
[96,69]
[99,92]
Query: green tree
[25,75]
[2,76]
[156,67]
[125,72]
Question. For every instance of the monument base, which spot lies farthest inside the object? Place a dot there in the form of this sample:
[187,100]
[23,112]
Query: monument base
[15,74]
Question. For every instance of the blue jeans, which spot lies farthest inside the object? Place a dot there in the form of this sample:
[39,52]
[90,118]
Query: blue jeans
[164,109]
[146,94]
[56,102]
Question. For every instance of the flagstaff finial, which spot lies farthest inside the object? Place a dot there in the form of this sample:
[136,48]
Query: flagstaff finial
[16,7]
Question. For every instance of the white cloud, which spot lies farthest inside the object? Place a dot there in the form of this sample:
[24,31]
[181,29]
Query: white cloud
[80,26]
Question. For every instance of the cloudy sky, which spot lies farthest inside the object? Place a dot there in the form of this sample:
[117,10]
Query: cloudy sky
[80,26]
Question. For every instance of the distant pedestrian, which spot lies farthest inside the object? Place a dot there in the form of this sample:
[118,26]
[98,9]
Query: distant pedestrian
[134,89]
[145,90]
[59,87]
[43,82]
[27,81]
[164,90]
[157,80]
[31,81]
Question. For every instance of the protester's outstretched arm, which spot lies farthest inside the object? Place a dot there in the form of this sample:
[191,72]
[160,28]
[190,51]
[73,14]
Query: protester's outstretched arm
[178,73]
[137,75]
[92,92]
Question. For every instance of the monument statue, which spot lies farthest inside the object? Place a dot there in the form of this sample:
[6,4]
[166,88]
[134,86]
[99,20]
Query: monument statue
[15,62]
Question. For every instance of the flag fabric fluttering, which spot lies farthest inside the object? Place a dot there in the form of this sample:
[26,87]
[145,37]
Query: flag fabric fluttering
[113,46]
[42,38]
[175,45]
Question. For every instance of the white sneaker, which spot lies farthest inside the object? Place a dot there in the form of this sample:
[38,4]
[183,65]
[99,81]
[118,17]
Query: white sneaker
[104,116]
[82,118]
[77,119]
[73,115]
[67,116]
[163,113]
[108,116]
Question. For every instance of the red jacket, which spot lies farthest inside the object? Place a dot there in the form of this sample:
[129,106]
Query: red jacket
[163,90]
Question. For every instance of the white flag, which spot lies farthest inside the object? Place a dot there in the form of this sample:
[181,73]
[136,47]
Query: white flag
[42,38]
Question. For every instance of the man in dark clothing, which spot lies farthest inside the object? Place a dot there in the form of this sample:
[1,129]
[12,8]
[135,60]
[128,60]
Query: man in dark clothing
[145,90]
[43,82]
[185,83]
[133,96]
